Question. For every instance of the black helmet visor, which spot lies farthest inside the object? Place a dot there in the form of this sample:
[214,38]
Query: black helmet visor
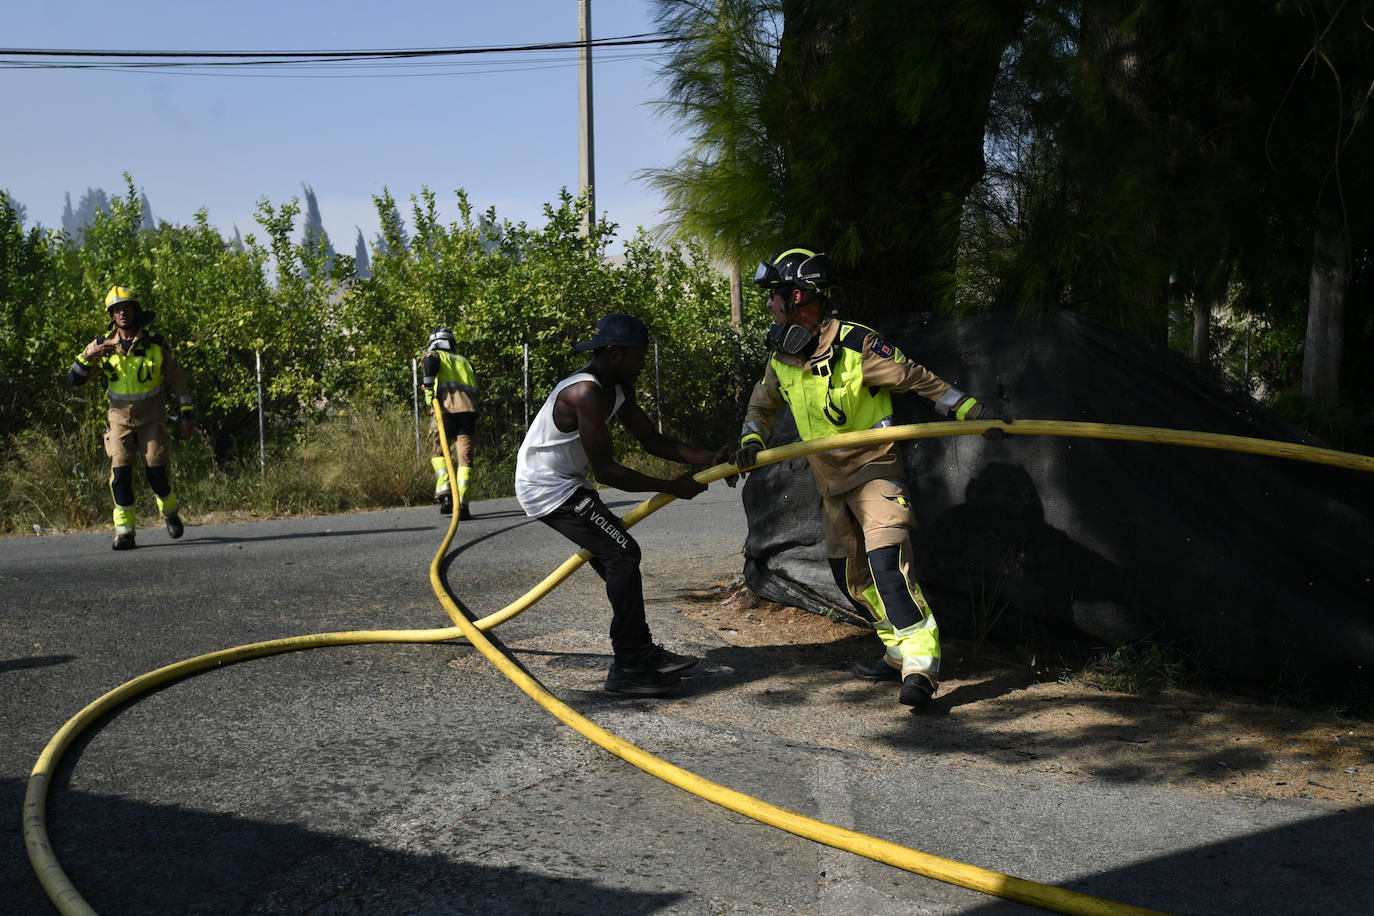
[766,275]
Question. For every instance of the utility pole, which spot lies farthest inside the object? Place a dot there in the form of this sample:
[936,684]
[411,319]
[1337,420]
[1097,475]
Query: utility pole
[586,171]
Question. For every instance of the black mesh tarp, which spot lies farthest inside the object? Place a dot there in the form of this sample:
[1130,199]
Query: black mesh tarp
[1263,567]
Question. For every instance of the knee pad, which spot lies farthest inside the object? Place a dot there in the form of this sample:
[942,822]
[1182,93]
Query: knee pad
[122,485]
[157,479]
[886,564]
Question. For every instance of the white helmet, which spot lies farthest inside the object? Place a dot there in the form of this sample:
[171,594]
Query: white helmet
[442,339]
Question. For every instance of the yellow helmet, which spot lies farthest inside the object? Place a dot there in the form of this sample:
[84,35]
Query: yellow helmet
[118,294]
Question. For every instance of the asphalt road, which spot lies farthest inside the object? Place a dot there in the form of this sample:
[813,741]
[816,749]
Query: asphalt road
[417,779]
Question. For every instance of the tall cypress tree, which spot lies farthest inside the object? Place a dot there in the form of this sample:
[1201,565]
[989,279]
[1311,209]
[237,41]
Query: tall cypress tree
[313,227]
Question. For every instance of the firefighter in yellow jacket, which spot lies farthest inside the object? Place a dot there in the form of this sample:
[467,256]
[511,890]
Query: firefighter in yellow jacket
[449,377]
[838,376]
[137,367]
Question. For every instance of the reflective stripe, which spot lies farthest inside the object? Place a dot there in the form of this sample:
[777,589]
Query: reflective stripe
[751,428]
[441,484]
[965,407]
[923,664]
[884,423]
[116,398]
[948,400]
[81,368]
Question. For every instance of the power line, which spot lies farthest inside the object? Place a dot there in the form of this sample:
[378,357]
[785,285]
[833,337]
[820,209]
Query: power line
[338,70]
[57,58]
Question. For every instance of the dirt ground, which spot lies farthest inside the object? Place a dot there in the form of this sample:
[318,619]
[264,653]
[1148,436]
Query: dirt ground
[1196,739]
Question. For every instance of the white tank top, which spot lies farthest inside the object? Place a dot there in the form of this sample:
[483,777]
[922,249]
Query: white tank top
[551,463]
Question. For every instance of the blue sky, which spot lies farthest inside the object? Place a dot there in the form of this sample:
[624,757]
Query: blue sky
[505,130]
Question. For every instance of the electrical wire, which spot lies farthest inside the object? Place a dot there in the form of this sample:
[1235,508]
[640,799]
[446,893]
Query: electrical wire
[225,62]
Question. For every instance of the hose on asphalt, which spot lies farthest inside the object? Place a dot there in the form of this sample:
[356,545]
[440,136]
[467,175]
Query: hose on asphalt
[68,899]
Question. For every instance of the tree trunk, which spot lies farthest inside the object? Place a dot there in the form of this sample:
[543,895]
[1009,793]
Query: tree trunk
[879,107]
[736,294]
[1323,349]
[1202,332]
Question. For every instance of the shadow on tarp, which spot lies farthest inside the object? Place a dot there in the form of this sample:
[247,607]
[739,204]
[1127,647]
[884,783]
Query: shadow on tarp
[1261,567]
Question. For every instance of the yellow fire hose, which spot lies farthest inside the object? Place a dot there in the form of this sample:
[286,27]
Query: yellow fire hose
[68,899]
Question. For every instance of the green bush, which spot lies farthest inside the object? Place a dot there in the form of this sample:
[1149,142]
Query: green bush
[336,351]
[364,458]
[55,481]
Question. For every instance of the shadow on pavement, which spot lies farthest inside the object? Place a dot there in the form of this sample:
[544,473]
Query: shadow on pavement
[131,857]
[1326,858]
[37,661]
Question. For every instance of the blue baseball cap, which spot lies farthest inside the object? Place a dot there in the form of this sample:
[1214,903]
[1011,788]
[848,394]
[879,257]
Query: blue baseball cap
[616,330]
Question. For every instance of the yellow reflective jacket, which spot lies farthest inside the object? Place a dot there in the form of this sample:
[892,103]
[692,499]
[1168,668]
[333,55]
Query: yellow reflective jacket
[845,384]
[450,375]
[137,375]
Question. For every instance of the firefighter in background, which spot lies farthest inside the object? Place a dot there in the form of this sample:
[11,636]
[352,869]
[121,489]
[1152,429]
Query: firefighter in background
[838,376]
[137,367]
[449,377]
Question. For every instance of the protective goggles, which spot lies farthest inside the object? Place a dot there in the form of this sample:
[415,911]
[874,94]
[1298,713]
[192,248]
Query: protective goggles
[766,275]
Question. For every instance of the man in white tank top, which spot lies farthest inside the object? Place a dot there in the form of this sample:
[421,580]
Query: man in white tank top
[568,445]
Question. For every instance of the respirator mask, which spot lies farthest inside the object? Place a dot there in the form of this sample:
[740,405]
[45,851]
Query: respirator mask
[792,339]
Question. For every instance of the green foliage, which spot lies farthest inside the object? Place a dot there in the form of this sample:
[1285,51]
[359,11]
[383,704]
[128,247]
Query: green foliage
[33,327]
[363,457]
[726,190]
[53,480]
[336,350]
[878,108]
[1342,424]
[1141,668]
[1149,152]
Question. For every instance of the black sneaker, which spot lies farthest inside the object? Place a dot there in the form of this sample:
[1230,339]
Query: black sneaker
[640,681]
[124,541]
[464,513]
[917,690]
[175,528]
[445,505]
[878,670]
[665,662]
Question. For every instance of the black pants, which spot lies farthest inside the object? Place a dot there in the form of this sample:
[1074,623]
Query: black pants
[459,424]
[585,520]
